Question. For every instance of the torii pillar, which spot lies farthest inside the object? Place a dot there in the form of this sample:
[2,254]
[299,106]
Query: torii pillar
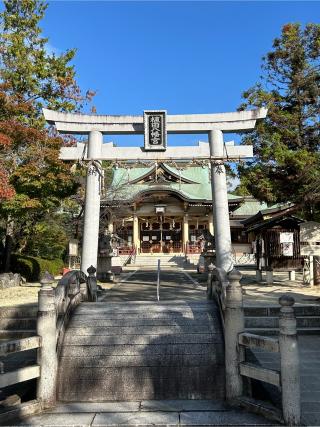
[92,203]
[220,205]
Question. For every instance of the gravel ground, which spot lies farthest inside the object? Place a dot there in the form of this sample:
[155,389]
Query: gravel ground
[28,294]
[20,295]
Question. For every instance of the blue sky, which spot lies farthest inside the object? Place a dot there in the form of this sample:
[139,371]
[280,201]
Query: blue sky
[185,57]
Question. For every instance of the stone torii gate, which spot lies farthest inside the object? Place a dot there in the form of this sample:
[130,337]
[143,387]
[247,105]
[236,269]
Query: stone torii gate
[155,125]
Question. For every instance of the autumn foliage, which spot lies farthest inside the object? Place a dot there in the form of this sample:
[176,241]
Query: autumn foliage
[33,180]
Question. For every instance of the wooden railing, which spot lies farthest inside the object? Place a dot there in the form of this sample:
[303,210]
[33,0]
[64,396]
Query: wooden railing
[193,248]
[55,306]
[125,250]
[226,289]
[156,248]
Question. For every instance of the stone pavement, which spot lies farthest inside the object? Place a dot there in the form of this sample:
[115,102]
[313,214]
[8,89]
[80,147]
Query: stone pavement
[141,285]
[172,413]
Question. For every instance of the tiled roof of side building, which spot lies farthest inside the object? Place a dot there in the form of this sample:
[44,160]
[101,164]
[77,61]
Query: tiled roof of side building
[249,207]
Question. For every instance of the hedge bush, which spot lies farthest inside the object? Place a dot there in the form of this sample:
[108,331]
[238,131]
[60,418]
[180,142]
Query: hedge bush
[32,268]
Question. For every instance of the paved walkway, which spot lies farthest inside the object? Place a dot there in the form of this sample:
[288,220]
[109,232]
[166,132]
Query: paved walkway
[173,413]
[141,285]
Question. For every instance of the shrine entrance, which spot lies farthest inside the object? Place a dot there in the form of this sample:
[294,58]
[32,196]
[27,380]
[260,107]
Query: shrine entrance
[161,235]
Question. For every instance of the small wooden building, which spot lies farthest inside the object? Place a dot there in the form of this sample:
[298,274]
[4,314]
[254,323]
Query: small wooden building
[276,243]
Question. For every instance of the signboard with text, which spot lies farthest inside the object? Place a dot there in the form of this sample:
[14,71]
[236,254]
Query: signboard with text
[310,238]
[155,133]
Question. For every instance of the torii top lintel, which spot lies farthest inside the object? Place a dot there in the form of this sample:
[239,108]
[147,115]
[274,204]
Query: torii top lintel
[81,124]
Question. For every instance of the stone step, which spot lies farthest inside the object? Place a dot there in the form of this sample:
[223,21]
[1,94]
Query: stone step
[18,312]
[155,306]
[162,261]
[140,303]
[143,330]
[300,310]
[18,323]
[92,384]
[103,340]
[149,350]
[206,326]
[273,322]
[142,315]
[154,266]
[185,313]
[123,361]
[17,333]
[143,306]
[161,256]
[132,350]
[275,331]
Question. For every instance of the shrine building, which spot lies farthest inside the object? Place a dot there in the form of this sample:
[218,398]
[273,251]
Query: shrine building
[165,209]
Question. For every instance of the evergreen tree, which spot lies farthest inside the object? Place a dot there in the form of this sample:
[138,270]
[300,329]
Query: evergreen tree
[31,72]
[33,181]
[286,144]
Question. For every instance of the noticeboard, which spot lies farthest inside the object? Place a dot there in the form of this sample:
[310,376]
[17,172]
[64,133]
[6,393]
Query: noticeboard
[310,238]
[73,247]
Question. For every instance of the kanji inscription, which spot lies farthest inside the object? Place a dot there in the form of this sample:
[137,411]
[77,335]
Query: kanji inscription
[155,137]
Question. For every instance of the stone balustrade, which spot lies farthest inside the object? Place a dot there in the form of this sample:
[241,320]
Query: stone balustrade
[226,289]
[55,306]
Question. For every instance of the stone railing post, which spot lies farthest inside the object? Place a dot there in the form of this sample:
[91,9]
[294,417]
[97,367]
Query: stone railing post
[73,287]
[47,355]
[84,291]
[92,282]
[289,359]
[209,281]
[233,325]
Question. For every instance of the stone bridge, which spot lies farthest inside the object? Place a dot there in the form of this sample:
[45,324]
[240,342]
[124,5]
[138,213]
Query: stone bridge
[127,359]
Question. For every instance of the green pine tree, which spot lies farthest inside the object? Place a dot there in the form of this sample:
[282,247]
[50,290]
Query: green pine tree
[286,144]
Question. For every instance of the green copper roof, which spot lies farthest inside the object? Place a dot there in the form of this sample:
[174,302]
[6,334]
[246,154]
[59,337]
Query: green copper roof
[252,206]
[198,190]
[194,173]
[127,175]
[249,207]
